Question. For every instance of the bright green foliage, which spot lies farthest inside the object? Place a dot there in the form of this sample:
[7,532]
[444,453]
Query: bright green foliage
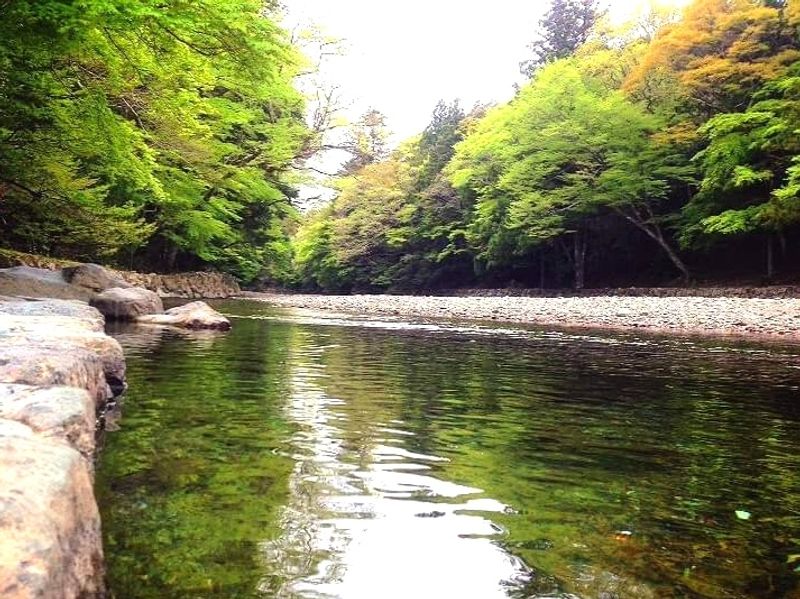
[160,129]
[592,162]
[394,223]
[566,148]
[751,166]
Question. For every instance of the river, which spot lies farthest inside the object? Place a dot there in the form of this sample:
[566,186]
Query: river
[310,456]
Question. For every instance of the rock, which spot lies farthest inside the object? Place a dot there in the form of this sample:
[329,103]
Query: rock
[94,277]
[190,285]
[63,413]
[55,365]
[49,523]
[196,315]
[55,324]
[25,281]
[127,304]
[55,308]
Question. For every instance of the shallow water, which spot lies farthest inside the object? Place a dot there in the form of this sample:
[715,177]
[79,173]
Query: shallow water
[305,456]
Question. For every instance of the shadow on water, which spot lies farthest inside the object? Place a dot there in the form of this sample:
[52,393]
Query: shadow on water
[307,456]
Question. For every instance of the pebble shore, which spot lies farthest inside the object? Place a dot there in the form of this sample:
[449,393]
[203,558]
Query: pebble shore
[735,316]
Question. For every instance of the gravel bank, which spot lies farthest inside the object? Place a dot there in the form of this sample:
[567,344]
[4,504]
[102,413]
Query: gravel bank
[750,317]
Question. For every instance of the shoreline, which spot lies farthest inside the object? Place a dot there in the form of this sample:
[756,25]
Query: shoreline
[758,319]
[58,372]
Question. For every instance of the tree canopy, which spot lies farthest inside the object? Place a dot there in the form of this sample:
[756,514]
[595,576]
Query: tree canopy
[633,152]
[148,133]
[167,136]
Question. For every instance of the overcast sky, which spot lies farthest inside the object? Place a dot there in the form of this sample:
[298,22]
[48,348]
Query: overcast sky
[403,57]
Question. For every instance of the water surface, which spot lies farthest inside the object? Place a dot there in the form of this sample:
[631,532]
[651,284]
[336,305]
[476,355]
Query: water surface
[305,456]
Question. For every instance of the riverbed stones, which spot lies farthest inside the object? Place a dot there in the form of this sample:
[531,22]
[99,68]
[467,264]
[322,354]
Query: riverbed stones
[196,315]
[127,303]
[190,285]
[49,523]
[740,316]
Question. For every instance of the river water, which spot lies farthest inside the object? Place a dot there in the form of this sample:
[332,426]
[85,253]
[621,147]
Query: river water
[310,456]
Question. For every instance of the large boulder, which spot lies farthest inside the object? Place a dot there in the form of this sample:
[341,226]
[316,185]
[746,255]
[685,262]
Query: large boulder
[25,281]
[54,324]
[49,523]
[56,364]
[59,309]
[94,277]
[196,315]
[127,304]
[62,413]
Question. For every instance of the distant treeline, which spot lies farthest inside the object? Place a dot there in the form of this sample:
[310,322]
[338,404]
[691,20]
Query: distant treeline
[662,151]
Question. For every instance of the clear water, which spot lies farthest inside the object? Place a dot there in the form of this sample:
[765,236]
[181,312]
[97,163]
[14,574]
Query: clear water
[305,456]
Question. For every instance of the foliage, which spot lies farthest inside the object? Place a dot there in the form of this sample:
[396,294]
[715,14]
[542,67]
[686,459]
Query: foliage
[718,55]
[158,130]
[366,141]
[391,225]
[751,166]
[161,136]
[565,28]
[651,139]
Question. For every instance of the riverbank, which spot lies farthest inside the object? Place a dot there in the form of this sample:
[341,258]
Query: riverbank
[38,276]
[58,370]
[776,318]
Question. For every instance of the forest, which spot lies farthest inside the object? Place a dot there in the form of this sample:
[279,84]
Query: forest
[660,152]
[172,136]
[150,135]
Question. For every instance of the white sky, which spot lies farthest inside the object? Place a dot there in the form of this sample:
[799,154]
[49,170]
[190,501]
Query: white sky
[403,57]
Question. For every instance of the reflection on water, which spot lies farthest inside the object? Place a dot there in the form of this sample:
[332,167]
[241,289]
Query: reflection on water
[303,456]
[369,516]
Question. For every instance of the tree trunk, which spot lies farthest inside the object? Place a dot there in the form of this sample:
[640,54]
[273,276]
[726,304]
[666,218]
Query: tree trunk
[172,256]
[541,271]
[656,234]
[579,259]
[770,257]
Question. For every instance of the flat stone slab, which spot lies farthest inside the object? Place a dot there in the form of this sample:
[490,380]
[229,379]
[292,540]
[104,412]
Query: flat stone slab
[57,367]
[59,364]
[62,333]
[65,414]
[49,523]
[56,308]
[25,281]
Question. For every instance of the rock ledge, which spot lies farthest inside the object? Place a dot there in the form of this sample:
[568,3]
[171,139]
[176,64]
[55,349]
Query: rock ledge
[57,370]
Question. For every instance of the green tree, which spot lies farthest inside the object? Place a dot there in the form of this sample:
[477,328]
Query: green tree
[751,169]
[566,149]
[162,131]
[565,28]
